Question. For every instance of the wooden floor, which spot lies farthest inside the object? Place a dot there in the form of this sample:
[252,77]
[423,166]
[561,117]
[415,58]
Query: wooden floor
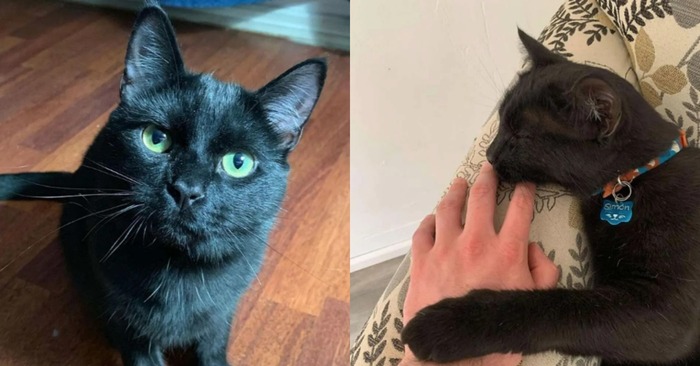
[59,76]
[366,287]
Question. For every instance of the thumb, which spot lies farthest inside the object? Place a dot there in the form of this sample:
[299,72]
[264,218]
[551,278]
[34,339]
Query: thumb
[544,273]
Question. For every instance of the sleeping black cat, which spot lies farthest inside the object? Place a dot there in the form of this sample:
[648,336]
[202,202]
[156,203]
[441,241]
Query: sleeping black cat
[165,223]
[581,127]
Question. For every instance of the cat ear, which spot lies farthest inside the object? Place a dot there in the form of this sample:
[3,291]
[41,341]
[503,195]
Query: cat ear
[600,108]
[289,99]
[538,54]
[152,57]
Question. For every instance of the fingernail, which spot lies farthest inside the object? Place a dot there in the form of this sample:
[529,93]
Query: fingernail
[458,180]
[486,165]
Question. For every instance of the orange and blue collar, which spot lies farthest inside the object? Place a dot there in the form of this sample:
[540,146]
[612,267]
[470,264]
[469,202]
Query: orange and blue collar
[614,186]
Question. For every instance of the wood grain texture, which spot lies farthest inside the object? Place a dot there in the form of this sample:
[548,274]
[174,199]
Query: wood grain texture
[59,76]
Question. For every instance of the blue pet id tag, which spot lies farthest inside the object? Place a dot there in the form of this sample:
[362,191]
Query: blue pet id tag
[616,212]
[619,210]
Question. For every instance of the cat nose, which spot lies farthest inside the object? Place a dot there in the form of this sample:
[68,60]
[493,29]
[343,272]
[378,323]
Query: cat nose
[185,194]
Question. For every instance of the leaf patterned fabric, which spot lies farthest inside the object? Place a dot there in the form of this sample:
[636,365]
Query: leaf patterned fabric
[655,45]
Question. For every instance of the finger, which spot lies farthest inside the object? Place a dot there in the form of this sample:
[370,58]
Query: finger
[448,216]
[482,200]
[544,272]
[516,225]
[423,237]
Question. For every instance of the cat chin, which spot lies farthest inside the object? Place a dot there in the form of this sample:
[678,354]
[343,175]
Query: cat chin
[181,237]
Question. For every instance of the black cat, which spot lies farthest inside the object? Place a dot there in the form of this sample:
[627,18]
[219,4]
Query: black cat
[166,221]
[581,127]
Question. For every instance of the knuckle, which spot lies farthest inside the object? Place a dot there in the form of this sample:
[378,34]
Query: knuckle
[418,237]
[440,254]
[511,252]
[472,245]
[449,204]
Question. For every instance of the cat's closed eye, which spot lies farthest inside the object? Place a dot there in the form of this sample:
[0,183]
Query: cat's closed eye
[522,135]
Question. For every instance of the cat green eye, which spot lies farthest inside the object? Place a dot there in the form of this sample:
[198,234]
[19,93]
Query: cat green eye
[156,139]
[238,164]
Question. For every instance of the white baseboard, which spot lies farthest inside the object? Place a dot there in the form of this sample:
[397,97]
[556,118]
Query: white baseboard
[378,256]
[320,23]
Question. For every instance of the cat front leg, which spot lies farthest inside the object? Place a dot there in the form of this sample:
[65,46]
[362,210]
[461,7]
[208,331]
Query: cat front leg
[613,323]
[135,351]
[211,349]
[140,354]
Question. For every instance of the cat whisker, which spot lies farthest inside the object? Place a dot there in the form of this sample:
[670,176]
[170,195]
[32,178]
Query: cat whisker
[112,172]
[153,293]
[204,284]
[136,233]
[76,195]
[167,291]
[72,188]
[105,172]
[111,217]
[119,243]
[198,295]
[79,205]
[488,74]
[50,233]
[122,238]
[487,104]
[112,316]
[145,227]
[246,260]
[263,241]
[181,294]
[486,41]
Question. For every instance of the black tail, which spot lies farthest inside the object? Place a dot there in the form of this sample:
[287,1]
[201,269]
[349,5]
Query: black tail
[53,186]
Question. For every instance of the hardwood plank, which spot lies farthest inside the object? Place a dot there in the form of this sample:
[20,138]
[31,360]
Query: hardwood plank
[52,19]
[79,115]
[8,42]
[59,74]
[42,270]
[71,18]
[25,236]
[284,332]
[325,349]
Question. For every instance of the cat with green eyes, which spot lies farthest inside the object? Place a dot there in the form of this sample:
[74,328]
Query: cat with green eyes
[165,223]
[237,164]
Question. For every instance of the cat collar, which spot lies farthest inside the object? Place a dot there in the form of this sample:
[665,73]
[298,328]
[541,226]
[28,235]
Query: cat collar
[624,180]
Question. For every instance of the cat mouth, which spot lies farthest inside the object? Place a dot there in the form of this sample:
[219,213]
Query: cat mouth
[180,228]
[507,176]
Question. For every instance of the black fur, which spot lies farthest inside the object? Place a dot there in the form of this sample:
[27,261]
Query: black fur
[579,127]
[163,245]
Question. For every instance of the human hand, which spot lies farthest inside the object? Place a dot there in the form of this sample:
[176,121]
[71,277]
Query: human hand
[449,260]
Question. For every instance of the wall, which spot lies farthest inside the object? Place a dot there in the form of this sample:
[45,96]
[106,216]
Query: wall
[322,23]
[424,75]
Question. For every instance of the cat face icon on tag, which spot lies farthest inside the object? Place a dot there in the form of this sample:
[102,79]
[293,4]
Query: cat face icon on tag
[616,212]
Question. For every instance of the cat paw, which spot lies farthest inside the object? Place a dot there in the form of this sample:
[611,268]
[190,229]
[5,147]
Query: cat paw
[452,330]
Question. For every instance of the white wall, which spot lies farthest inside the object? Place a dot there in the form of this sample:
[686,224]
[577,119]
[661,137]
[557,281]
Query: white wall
[322,23]
[424,75]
